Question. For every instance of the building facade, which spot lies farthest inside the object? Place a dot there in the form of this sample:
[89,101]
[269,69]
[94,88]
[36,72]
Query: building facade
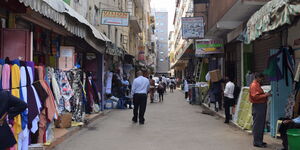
[161,34]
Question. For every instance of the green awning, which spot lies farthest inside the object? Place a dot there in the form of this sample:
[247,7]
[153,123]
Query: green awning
[271,16]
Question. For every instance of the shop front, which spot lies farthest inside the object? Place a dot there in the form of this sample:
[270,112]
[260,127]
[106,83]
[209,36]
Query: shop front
[274,53]
[54,66]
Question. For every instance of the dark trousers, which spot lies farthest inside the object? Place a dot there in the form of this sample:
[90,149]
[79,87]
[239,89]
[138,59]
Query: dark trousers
[283,132]
[228,102]
[140,103]
[259,119]
[186,95]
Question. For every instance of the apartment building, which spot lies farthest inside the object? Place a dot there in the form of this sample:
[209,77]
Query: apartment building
[161,34]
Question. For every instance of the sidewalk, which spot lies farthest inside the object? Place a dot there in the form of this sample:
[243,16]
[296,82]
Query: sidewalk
[61,134]
[221,114]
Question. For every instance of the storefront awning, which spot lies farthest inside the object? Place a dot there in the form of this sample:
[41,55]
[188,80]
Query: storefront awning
[271,16]
[63,14]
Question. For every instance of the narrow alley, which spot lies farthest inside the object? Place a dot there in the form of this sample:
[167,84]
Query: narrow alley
[171,125]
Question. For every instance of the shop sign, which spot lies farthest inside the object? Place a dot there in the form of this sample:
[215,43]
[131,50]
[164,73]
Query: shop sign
[115,18]
[192,27]
[208,46]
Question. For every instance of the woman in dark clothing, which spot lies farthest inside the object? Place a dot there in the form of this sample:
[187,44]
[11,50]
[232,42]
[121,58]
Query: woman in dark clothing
[9,106]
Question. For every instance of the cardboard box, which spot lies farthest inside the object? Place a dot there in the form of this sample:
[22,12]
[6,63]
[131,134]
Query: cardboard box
[67,58]
[64,121]
[215,75]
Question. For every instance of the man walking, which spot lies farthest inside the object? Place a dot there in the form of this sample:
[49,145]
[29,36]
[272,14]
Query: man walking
[139,91]
[259,108]
[228,98]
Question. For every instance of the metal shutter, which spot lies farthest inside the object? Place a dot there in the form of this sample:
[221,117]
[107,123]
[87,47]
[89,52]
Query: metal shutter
[261,51]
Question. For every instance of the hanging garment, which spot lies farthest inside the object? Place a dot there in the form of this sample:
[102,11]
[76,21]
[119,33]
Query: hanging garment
[273,70]
[34,95]
[54,87]
[6,77]
[49,111]
[66,91]
[90,97]
[24,135]
[15,84]
[74,76]
[109,76]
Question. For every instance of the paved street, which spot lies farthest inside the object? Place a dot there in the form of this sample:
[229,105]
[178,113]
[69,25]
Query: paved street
[171,125]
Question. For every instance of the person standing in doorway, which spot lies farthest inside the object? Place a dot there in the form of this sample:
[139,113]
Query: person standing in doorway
[259,99]
[152,89]
[140,88]
[228,98]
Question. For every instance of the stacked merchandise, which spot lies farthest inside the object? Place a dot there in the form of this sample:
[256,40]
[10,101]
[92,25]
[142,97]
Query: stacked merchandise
[49,94]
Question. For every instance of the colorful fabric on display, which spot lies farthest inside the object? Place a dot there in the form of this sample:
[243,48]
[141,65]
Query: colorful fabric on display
[33,95]
[76,101]
[6,77]
[49,110]
[15,84]
[273,70]
[66,91]
[90,95]
[54,87]
[24,135]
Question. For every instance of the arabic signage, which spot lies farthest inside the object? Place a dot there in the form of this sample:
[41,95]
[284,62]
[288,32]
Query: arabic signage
[208,46]
[115,18]
[192,27]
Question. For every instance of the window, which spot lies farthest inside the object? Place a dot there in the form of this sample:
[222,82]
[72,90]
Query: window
[161,52]
[161,38]
[161,59]
[161,24]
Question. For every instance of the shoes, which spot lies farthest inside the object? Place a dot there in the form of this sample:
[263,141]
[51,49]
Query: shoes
[141,123]
[260,145]
[226,121]
[134,120]
[264,143]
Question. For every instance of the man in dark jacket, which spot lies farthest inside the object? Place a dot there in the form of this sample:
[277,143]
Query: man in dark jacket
[9,106]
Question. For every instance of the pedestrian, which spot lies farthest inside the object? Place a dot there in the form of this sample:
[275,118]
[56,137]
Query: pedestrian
[216,89]
[228,98]
[140,88]
[10,107]
[172,85]
[259,99]
[161,90]
[152,89]
[285,126]
[186,89]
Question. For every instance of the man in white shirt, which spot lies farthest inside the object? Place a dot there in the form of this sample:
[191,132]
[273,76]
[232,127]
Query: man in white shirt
[139,90]
[228,98]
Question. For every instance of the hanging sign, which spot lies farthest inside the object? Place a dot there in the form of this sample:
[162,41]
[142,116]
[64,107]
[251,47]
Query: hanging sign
[115,18]
[192,27]
[208,46]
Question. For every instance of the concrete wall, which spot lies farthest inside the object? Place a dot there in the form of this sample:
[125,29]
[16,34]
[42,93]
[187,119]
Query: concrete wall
[217,9]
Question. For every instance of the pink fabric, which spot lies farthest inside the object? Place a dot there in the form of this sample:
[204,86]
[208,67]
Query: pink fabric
[5,76]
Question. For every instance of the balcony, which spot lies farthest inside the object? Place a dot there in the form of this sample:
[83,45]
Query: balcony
[134,19]
[230,17]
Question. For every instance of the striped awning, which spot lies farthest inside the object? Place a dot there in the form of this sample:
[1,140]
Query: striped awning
[63,14]
[271,16]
